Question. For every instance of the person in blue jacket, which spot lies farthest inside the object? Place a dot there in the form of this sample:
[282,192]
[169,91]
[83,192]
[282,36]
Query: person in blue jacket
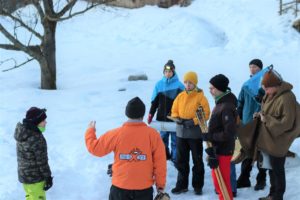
[248,104]
[164,93]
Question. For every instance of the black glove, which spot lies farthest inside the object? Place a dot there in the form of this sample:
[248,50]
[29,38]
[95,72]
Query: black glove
[212,162]
[258,98]
[109,170]
[207,137]
[48,183]
[188,123]
[210,151]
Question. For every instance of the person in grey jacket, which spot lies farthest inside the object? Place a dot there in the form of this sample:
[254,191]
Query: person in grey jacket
[33,168]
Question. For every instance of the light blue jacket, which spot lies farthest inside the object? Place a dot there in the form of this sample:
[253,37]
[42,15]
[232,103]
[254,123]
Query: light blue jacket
[247,104]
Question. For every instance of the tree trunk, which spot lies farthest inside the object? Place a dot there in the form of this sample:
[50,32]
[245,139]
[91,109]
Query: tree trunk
[48,58]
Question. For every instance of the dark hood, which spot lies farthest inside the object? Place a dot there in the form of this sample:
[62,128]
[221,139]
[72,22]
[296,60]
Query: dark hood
[25,130]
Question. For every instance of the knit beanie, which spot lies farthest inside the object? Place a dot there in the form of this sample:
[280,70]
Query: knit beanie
[135,108]
[220,82]
[271,79]
[36,115]
[256,62]
[169,66]
[192,77]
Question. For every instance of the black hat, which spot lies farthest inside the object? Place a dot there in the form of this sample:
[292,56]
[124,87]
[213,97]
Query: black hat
[256,62]
[170,66]
[36,115]
[135,108]
[220,82]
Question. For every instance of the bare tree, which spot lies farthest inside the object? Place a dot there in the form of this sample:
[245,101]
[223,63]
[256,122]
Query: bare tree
[47,14]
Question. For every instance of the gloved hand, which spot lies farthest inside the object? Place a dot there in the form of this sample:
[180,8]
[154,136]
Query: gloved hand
[48,183]
[259,97]
[109,170]
[188,123]
[210,151]
[212,162]
[149,120]
[207,137]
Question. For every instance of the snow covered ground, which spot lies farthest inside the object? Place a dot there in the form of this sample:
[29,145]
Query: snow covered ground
[97,51]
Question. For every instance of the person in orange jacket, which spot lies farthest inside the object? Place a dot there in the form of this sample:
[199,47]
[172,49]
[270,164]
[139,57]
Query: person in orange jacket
[139,155]
[189,134]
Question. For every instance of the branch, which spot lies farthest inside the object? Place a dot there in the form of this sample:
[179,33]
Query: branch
[58,16]
[9,47]
[4,61]
[39,9]
[66,8]
[22,24]
[17,43]
[17,66]
[73,14]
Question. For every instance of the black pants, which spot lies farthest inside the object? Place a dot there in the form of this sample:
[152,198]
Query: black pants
[183,148]
[123,194]
[277,177]
[246,168]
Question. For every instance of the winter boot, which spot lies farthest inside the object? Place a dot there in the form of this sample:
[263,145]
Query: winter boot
[266,198]
[260,185]
[178,190]
[260,179]
[243,182]
[198,191]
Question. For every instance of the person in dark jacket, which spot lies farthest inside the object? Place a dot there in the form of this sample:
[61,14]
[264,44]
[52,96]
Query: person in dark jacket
[164,93]
[33,168]
[221,131]
[247,106]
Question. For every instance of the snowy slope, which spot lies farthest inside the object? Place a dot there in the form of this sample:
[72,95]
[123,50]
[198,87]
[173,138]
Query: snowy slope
[97,51]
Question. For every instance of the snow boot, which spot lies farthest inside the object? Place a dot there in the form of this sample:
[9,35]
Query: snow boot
[266,198]
[243,182]
[178,190]
[260,185]
[198,191]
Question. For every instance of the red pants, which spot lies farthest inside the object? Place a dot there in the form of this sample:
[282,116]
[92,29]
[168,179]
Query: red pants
[224,166]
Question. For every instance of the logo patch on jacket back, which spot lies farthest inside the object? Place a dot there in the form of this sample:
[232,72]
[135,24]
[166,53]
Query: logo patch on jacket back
[133,155]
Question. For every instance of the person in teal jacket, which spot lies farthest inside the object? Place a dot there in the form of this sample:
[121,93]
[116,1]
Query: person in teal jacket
[164,93]
[249,103]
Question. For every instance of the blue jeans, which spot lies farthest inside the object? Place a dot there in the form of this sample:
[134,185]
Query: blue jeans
[165,137]
[233,177]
